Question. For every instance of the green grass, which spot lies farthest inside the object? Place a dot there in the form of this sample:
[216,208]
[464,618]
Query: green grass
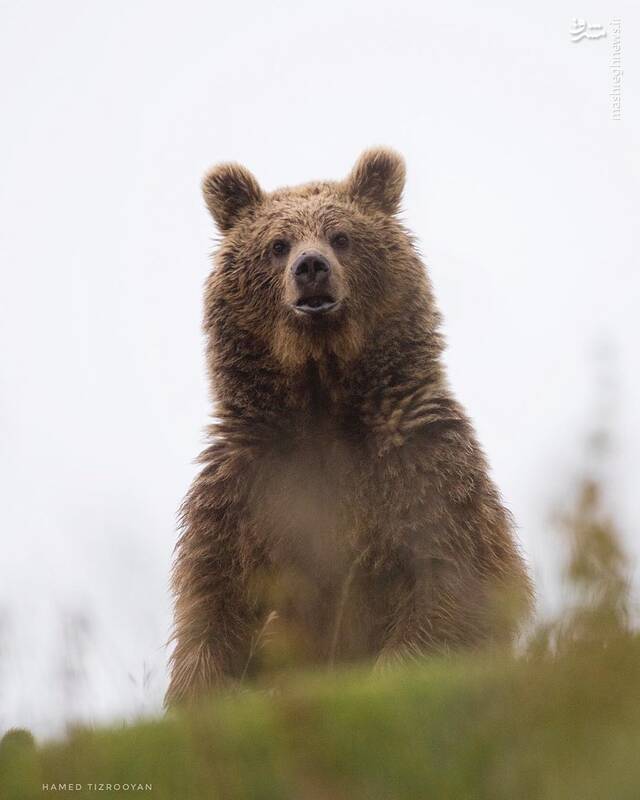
[478,727]
[561,722]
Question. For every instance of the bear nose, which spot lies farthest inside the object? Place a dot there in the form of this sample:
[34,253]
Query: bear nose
[310,268]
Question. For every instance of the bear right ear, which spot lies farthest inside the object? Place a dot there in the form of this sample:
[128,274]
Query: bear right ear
[229,190]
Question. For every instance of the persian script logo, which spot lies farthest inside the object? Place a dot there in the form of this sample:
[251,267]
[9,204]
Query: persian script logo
[580,29]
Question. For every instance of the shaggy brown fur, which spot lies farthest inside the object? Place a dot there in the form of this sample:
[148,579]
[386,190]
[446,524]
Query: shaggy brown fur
[340,470]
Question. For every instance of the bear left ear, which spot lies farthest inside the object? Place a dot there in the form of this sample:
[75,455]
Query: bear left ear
[377,180]
[229,190]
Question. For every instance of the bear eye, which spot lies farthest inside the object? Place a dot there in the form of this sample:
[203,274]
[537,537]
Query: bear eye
[280,247]
[339,240]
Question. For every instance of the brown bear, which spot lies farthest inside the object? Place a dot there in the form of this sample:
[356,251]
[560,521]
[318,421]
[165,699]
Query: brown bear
[340,468]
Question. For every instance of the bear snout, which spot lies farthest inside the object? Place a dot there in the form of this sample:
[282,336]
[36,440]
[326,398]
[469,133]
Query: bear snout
[312,278]
[310,268]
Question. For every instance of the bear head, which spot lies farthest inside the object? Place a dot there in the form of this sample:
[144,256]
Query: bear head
[311,272]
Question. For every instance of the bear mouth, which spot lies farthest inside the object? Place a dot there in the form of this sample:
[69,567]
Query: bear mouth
[315,304]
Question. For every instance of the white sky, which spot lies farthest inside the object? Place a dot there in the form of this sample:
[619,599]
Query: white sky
[522,191]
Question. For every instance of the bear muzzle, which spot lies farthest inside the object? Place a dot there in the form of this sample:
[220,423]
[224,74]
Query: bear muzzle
[312,284]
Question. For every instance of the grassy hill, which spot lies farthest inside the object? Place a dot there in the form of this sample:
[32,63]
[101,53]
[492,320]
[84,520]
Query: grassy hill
[494,728]
[561,721]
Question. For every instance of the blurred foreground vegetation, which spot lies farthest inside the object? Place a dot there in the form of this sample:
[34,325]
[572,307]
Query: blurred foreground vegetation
[559,720]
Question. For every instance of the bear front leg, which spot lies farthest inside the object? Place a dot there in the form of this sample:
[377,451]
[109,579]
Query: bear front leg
[432,608]
[214,616]
[457,579]
[211,634]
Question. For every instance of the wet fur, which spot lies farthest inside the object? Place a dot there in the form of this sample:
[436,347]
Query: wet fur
[340,470]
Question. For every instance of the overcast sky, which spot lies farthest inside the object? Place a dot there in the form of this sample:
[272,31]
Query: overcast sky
[522,191]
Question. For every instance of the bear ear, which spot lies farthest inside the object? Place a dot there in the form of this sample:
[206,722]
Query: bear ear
[229,190]
[377,180]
